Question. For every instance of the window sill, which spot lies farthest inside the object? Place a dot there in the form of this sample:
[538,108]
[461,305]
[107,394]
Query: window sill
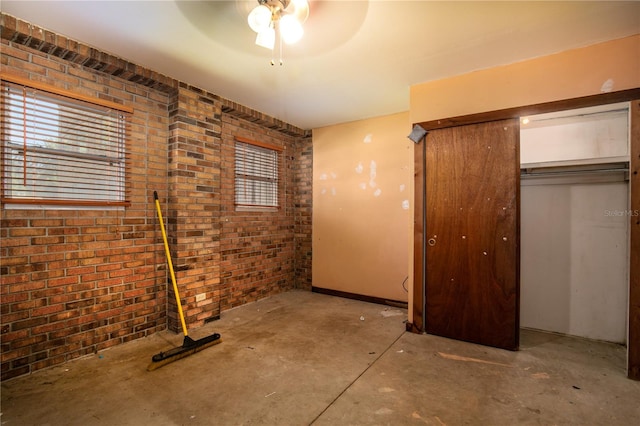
[256,209]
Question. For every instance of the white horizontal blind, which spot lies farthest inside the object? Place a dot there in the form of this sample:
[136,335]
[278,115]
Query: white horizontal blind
[256,175]
[59,150]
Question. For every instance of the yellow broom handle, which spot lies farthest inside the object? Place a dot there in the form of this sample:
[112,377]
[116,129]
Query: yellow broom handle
[168,253]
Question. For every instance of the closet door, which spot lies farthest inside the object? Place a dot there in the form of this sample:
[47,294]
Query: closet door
[472,233]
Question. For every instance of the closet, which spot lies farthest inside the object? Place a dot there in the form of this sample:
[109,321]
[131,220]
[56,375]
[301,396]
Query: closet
[565,254]
[575,222]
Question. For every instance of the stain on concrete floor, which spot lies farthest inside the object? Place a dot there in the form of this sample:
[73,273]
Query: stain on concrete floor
[304,358]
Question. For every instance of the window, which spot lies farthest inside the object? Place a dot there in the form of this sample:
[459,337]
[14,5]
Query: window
[256,174]
[61,149]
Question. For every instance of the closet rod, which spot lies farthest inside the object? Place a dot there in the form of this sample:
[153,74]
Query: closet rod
[571,172]
[574,169]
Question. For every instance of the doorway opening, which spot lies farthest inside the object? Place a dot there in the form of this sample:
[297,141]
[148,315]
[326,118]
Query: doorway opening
[575,222]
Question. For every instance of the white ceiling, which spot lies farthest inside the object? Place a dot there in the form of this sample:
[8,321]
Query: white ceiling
[356,60]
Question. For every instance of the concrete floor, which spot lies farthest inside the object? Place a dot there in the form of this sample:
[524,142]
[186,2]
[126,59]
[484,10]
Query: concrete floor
[302,358]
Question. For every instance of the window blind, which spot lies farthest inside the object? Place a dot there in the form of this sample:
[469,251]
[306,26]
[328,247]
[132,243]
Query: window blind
[256,175]
[60,150]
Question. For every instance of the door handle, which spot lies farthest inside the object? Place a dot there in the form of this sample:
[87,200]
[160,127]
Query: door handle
[431,242]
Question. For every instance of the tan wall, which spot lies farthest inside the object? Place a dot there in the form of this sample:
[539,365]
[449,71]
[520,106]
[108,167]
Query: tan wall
[353,231]
[570,74]
[360,212]
[609,66]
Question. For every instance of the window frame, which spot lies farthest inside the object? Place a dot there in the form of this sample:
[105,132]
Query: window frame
[81,101]
[278,172]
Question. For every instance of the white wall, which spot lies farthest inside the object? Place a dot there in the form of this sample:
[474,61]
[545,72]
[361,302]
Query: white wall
[575,224]
[574,258]
[588,135]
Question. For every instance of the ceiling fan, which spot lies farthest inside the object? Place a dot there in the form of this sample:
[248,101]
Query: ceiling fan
[281,19]
[226,23]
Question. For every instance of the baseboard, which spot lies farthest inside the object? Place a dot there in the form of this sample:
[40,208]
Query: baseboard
[360,297]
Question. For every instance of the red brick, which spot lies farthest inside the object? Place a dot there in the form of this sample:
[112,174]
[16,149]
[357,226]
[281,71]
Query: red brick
[105,280]
[28,323]
[47,310]
[26,285]
[63,281]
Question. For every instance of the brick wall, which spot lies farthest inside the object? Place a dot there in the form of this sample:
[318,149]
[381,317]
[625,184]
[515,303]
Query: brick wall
[77,281]
[303,196]
[74,282]
[194,204]
[257,247]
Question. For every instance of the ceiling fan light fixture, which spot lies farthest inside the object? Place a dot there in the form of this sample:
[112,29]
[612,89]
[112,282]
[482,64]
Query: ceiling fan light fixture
[290,29]
[278,21]
[298,9]
[266,38]
[259,18]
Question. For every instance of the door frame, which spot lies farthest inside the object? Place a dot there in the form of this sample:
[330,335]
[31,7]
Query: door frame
[416,322]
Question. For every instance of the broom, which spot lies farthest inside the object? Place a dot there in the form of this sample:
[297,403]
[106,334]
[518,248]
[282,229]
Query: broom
[189,346]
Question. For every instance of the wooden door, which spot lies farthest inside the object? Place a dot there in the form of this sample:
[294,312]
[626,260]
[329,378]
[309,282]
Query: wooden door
[472,233]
